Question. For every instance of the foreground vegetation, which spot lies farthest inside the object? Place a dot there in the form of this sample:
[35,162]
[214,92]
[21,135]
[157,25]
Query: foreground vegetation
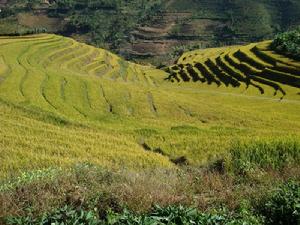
[221,193]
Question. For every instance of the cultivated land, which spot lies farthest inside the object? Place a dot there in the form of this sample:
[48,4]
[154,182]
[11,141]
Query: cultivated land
[154,30]
[64,102]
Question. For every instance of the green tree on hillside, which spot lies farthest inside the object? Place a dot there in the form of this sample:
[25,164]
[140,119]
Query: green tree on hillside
[288,43]
[30,4]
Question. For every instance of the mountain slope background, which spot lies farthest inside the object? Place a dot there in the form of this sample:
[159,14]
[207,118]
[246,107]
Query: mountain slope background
[153,31]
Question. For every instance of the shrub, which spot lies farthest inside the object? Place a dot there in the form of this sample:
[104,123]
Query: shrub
[288,43]
[177,51]
[282,207]
[6,12]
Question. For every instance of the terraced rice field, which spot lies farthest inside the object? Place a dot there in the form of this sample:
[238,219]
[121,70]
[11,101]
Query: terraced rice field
[64,102]
[253,65]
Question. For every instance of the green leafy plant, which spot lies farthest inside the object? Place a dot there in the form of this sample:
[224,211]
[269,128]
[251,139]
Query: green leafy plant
[172,215]
[283,205]
[288,43]
[62,216]
[180,215]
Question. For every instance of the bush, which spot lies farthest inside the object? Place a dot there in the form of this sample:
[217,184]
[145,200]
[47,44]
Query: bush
[6,12]
[177,51]
[288,43]
[282,207]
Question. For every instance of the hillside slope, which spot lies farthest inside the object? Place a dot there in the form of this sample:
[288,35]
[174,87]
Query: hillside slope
[63,102]
[211,23]
[253,65]
[153,28]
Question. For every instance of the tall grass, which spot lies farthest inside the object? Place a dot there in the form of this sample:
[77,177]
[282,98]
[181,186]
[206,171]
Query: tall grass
[265,154]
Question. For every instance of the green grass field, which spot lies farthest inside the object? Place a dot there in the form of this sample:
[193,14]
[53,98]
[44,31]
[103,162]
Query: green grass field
[64,102]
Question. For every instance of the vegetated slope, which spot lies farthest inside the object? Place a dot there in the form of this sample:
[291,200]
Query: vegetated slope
[152,28]
[63,102]
[253,65]
[51,71]
[47,82]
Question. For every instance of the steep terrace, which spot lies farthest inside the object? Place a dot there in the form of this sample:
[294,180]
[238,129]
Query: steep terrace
[251,65]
